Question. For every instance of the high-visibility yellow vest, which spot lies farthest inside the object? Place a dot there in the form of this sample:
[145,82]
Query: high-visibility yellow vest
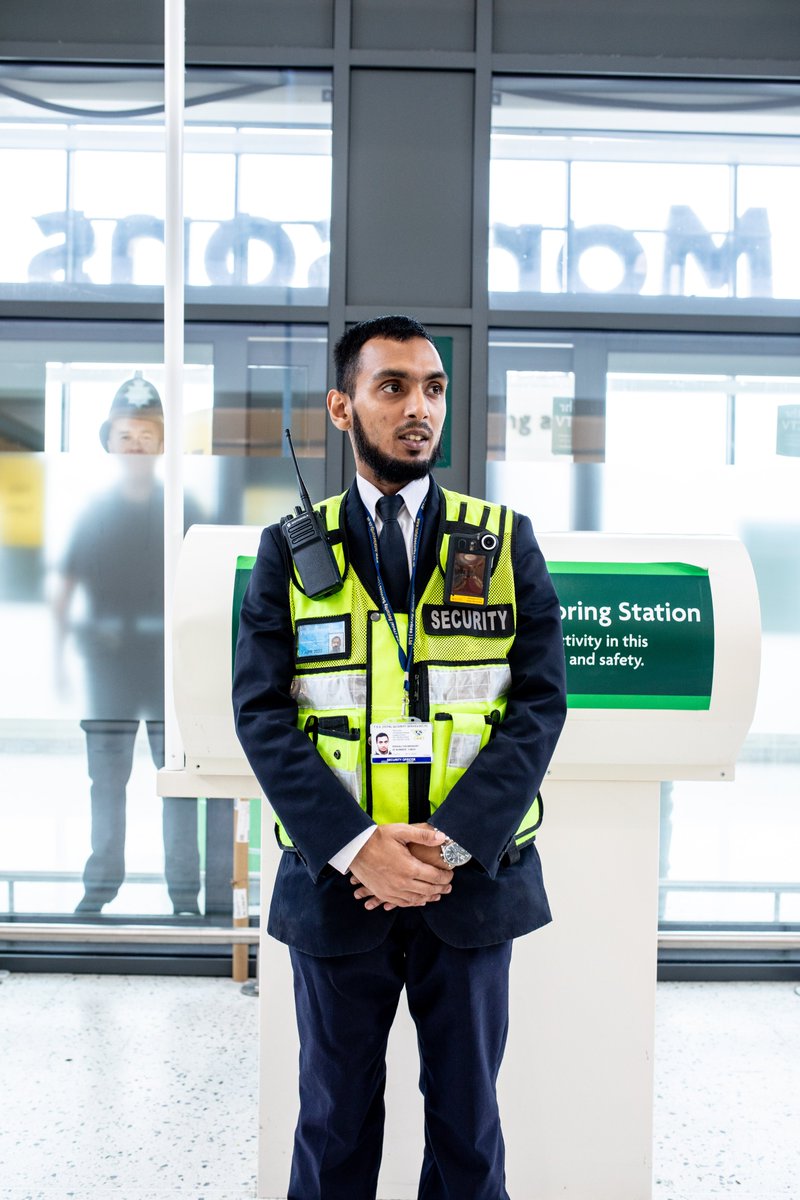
[351,676]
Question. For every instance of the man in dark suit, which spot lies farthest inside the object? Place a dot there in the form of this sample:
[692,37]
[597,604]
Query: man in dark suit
[415,869]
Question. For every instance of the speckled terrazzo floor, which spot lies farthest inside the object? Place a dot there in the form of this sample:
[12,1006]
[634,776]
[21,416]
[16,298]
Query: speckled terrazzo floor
[727,1091]
[127,1086]
[145,1088]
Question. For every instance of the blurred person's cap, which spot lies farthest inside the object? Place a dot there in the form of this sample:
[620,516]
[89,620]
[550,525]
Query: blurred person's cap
[135,398]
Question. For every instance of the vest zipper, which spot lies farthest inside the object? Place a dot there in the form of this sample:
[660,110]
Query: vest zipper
[368,720]
[419,777]
[419,695]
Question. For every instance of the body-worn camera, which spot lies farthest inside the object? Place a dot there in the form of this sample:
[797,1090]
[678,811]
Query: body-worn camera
[469,568]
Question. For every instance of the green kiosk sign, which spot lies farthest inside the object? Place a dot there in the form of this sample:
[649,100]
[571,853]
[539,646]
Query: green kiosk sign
[244,569]
[636,635]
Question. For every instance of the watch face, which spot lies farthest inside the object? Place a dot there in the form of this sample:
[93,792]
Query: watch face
[455,855]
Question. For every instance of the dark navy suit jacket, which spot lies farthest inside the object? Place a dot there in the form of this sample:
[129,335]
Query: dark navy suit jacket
[492,900]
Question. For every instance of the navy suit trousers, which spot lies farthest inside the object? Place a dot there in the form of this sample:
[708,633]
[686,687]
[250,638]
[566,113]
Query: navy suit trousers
[458,999]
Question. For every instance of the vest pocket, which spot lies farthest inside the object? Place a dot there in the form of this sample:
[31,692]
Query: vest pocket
[458,737]
[338,742]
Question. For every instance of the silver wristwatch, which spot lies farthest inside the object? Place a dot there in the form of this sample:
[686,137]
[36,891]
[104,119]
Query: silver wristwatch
[453,854]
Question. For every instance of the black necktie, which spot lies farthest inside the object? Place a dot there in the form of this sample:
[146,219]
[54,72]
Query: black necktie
[392,553]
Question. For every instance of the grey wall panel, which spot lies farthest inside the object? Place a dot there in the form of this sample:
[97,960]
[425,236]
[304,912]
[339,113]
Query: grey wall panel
[581,34]
[413,25]
[691,29]
[703,31]
[410,188]
[210,23]
[55,28]
[116,30]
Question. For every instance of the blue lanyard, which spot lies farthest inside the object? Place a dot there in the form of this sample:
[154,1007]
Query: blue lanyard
[406,656]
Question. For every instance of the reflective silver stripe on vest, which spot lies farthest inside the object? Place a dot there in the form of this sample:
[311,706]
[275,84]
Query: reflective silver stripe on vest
[447,685]
[350,781]
[322,692]
[463,750]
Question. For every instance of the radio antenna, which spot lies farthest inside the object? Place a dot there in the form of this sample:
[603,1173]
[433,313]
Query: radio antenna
[307,538]
[304,496]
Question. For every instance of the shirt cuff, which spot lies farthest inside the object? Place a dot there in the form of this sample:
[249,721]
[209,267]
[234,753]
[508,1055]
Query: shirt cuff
[342,859]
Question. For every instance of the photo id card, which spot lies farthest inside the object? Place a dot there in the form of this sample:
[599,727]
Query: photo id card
[401,742]
[323,638]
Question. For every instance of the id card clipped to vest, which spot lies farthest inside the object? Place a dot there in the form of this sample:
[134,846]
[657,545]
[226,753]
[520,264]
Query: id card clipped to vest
[401,742]
[469,568]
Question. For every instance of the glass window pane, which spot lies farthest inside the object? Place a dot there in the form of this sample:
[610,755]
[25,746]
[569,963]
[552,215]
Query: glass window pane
[85,149]
[530,418]
[661,420]
[693,436]
[81,593]
[539,408]
[624,188]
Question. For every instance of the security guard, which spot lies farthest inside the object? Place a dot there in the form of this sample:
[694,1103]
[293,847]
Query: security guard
[401,725]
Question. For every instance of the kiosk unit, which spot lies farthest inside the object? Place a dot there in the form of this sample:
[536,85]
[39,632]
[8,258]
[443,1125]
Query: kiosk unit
[662,641]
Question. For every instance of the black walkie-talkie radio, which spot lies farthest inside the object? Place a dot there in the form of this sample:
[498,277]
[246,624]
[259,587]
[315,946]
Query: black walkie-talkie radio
[308,544]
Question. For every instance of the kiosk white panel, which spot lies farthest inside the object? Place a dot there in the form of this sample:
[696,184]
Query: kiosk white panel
[663,644]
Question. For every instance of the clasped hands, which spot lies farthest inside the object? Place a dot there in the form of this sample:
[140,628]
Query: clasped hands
[400,866]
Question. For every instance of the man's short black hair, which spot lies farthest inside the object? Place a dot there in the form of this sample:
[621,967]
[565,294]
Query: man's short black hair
[347,351]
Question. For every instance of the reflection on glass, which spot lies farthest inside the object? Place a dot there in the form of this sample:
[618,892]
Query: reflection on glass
[286,389]
[531,420]
[115,557]
[538,423]
[643,189]
[85,149]
[76,400]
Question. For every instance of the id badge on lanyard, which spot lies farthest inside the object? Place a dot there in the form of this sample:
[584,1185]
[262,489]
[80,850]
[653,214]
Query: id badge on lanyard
[407,739]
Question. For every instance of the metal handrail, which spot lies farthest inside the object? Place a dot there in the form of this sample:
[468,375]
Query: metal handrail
[776,890]
[733,939]
[726,885]
[48,931]
[51,876]
[52,931]
[12,877]
[99,932]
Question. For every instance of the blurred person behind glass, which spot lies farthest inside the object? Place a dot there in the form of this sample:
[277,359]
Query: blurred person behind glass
[116,556]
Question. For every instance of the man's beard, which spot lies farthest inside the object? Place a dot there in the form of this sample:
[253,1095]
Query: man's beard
[386,468]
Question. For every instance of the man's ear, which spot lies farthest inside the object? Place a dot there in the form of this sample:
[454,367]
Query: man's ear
[339,409]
